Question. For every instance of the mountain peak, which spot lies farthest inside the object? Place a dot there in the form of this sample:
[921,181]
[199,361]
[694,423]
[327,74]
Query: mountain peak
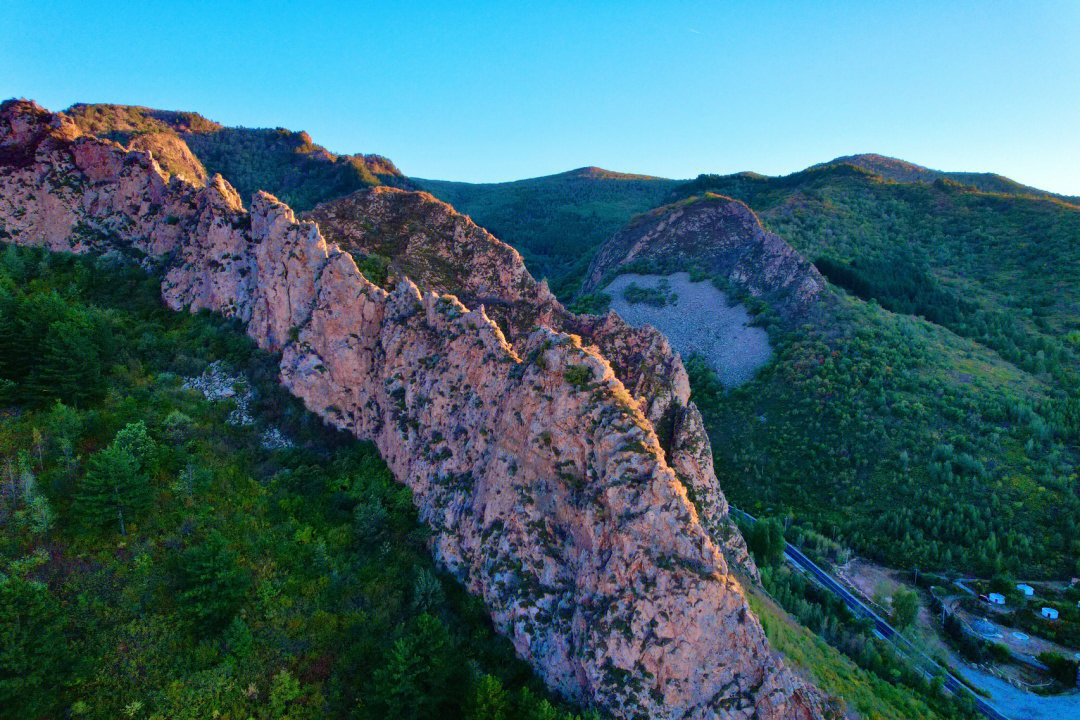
[596,173]
[898,170]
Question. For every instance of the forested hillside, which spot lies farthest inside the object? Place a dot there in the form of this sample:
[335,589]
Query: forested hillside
[180,539]
[556,222]
[164,556]
[935,421]
[901,171]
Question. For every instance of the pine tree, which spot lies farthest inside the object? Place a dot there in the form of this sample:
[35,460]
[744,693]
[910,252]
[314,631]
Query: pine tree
[489,700]
[112,489]
[134,439]
[212,585]
[69,366]
[420,676]
[33,651]
[10,351]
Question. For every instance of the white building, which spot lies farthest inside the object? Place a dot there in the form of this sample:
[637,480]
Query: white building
[1050,613]
[1026,589]
[997,598]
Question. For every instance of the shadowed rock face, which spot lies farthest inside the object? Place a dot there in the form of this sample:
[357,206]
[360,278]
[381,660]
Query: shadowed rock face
[539,474]
[722,237]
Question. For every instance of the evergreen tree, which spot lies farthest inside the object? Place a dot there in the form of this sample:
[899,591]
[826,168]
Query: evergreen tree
[765,539]
[134,439]
[69,366]
[489,701]
[33,650]
[112,489]
[420,677]
[211,584]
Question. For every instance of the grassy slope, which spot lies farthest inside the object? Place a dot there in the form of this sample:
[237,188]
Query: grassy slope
[862,692]
[556,222]
[337,608]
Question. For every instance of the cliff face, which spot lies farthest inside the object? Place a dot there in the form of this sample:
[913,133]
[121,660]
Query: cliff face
[540,475]
[442,250]
[719,236]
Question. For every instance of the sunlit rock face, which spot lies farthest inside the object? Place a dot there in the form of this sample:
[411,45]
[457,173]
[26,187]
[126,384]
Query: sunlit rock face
[538,471]
[442,250]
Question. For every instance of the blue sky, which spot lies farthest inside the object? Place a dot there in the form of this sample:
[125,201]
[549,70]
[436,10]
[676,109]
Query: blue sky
[499,91]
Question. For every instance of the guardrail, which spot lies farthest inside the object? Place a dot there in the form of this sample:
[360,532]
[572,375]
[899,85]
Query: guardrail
[919,659]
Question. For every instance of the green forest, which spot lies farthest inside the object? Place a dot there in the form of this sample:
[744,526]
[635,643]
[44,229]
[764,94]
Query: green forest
[288,165]
[158,560]
[556,222]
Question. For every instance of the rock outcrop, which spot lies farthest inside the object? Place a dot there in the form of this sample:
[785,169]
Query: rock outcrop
[721,237]
[289,164]
[540,475]
[439,249]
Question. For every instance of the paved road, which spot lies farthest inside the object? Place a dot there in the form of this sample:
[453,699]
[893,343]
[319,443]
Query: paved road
[952,683]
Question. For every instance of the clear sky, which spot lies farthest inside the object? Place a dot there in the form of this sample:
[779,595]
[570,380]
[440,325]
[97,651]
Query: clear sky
[503,90]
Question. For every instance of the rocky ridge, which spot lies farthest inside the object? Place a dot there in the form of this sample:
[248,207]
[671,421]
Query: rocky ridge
[289,164]
[439,249]
[720,237]
[540,475]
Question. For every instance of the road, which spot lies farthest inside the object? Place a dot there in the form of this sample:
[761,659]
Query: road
[919,659]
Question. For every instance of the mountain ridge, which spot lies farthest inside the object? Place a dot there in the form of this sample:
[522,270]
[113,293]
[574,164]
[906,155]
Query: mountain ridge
[903,171]
[414,371]
[287,163]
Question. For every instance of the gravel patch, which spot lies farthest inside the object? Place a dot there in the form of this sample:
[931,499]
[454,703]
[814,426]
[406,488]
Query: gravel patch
[697,319]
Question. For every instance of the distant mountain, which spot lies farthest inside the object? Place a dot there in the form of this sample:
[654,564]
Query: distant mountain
[902,171]
[556,222]
[283,162]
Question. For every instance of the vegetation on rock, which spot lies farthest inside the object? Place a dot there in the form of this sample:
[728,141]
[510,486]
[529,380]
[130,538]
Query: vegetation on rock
[282,162]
